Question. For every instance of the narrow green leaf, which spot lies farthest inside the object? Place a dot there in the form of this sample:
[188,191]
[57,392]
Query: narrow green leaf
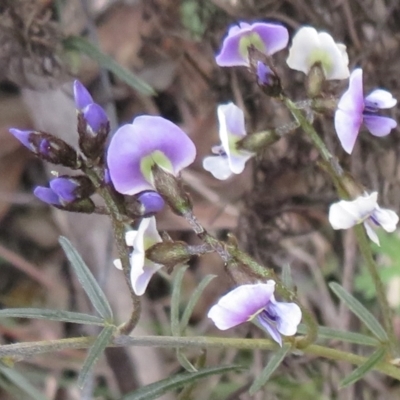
[94,353]
[52,315]
[274,362]
[87,280]
[175,301]
[184,362]
[359,372]
[157,389]
[287,276]
[336,334]
[22,383]
[84,46]
[193,301]
[358,309]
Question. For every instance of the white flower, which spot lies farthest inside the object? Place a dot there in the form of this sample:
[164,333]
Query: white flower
[310,47]
[229,160]
[363,209]
[142,269]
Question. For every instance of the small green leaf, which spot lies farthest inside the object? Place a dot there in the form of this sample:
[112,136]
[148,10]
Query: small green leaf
[184,362]
[274,362]
[336,334]
[22,383]
[287,276]
[175,301]
[87,280]
[359,372]
[157,389]
[82,45]
[193,300]
[358,309]
[52,315]
[95,352]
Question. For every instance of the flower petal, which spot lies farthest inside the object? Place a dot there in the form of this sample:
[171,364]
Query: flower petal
[345,214]
[95,117]
[140,277]
[289,316]
[132,142]
[270,327]
[218,166]
[387,219]
[81,95]
[231,123]
[379,126]
[22,136]
[371,232]
[151,201]
[347,126]
[64,188]
[237,162]
[46,195]
[240,304]
[117,264]
[274,36]
[381,99]
[352,100]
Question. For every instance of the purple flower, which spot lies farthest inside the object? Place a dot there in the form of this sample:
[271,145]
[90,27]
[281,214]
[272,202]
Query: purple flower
[152,202]
[135,148]
[61,192]
[265,37]
[248,302]
[354,110]
[228,159]
[364,209]
[95,116]
[142,269]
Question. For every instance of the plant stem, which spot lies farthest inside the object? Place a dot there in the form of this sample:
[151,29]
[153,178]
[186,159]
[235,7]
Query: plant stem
[25,350]
[332,166]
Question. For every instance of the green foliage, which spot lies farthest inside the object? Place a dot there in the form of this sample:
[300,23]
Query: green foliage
[194,16]
[358,309]
[157,389]
[389,255]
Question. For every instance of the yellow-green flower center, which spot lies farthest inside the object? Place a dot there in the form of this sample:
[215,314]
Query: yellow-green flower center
[249,40]
[322,57]
[156,157]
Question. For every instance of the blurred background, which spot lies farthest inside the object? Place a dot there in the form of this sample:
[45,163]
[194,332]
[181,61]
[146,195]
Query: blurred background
[277,208]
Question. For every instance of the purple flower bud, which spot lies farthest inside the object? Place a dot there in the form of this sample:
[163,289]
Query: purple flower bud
[81,95]
[64,188]
[47,195]
[95,117]
[152,202]
[263,73]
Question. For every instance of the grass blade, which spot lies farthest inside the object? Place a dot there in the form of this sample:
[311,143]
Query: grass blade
[359,372]
[52,315]
[22,383]
[358,309]
[95,352]
[274,362]
[193,301]
[157,389]
[175,301]
[84,46]
[87,280]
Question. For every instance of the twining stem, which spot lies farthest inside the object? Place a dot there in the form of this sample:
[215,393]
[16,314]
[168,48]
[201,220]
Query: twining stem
[119,234]
[332,166]
[28,349]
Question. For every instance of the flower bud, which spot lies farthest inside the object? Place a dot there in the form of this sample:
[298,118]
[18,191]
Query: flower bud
[258,141]
[48,147]
[151,203]
[169,253]
[171,190]
[315,80]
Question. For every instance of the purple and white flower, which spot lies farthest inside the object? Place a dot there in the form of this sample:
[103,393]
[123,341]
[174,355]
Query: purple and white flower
[135,148]
[94,114]
[310,47]
[355,110]
[257,301]
[364,209]
[61,192]
[265,37]
[142,269]
[228,159]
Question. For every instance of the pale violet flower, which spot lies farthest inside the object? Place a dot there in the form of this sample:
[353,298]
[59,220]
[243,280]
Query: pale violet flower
[257,301]
[355,110]
[135,148]
[228,159]
[142,269]
[364,209]
[310,47]
[265,37]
